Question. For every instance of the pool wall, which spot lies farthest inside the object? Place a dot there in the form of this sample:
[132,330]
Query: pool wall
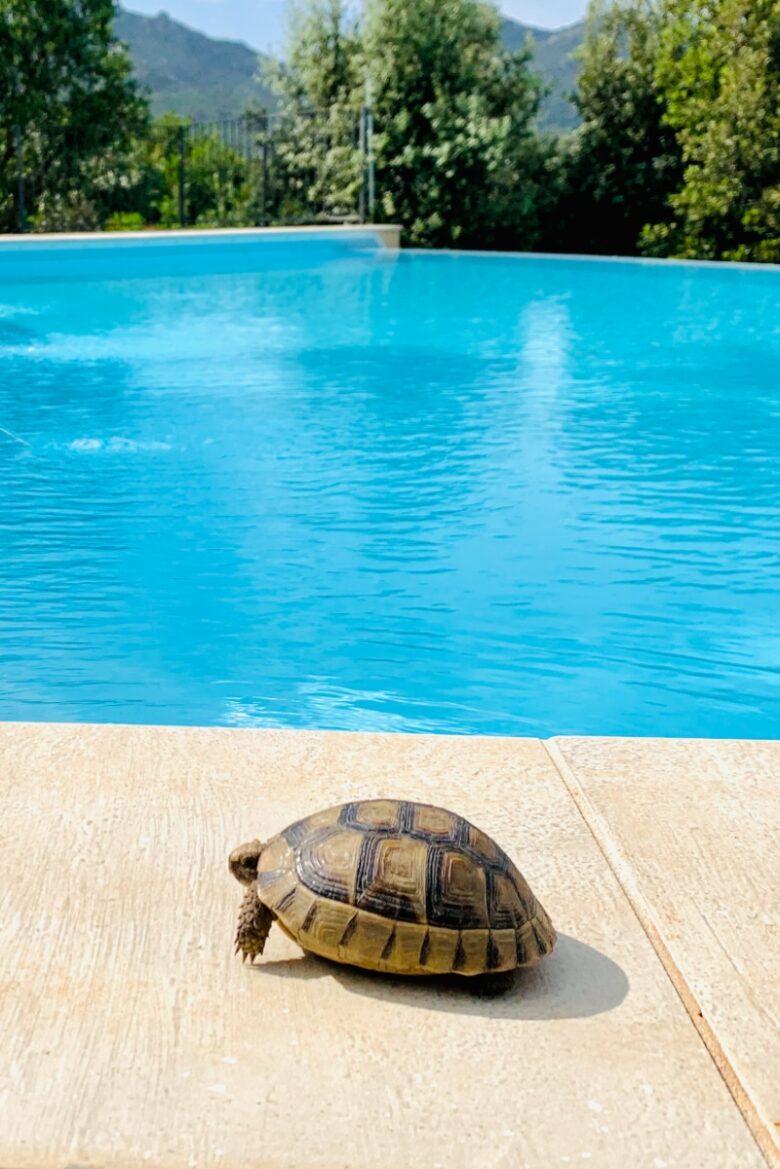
[102,255]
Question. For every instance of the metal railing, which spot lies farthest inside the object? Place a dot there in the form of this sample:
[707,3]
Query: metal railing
[282,167]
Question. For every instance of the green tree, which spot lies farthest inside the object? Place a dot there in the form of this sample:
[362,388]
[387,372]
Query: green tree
[323,65]
[719,68]
[69,110]
[624,161]
[313,140]
[217,189]
[458,160]
[215,177]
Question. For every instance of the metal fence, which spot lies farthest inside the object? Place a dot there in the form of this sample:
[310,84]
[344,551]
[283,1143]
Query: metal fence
[265,168]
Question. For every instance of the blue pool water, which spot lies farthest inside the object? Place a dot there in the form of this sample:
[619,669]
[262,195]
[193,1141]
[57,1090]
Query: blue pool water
[321,485]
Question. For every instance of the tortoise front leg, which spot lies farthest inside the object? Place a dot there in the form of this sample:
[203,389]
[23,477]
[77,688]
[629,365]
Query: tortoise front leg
[254,922]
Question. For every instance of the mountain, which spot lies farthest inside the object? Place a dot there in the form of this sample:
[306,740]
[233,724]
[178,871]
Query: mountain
[189,73]
[552,59]
[197,76]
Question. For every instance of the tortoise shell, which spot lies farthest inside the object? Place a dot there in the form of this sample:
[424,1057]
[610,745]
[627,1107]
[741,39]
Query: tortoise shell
[404,888]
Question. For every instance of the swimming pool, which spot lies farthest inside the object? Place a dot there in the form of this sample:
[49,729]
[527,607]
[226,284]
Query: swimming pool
[328,485]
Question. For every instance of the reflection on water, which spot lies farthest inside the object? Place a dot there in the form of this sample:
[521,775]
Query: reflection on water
[433,493]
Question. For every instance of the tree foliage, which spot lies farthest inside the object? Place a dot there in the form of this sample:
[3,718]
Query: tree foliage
[678,152]
[311,145]
[624,161]
[457,156]
[69,109]
[323,68]
[718,65]
[214,176]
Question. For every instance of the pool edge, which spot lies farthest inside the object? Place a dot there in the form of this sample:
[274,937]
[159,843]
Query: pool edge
[388,234]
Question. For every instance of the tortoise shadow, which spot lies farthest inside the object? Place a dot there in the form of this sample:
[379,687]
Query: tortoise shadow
[575,982]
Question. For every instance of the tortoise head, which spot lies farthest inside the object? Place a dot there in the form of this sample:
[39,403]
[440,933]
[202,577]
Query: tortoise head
[243,861]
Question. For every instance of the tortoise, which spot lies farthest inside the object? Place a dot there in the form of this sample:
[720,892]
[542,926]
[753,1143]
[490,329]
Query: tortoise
[393,886]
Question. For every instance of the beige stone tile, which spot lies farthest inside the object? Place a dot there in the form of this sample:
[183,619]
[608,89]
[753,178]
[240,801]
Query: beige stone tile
[693,830]
[387,234]
[130,1035]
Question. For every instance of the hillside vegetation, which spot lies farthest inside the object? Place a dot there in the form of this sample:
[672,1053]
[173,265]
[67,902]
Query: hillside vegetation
[553,60]
[677,152]
[188,73]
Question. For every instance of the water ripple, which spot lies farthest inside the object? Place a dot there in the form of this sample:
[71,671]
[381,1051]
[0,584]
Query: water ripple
[435,493]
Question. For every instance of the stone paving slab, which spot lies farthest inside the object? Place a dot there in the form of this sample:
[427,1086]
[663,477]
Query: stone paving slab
[692,828]
[387,234]
[130,1035]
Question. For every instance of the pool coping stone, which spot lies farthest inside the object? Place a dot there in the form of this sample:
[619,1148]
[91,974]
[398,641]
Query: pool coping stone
[691,829]
[388,234]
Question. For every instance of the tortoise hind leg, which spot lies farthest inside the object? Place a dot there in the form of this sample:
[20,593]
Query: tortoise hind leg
[254,922]
[491,986]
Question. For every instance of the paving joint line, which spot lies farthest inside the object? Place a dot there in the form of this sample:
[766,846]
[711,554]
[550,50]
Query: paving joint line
[624,875]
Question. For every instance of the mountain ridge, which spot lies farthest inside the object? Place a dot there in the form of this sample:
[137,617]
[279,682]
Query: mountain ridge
[189,73]
[198,76]
[553,60]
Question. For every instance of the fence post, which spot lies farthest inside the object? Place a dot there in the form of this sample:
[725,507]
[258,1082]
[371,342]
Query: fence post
[180,136]
[21,217]
[370,154]
[266,161]
[363,163]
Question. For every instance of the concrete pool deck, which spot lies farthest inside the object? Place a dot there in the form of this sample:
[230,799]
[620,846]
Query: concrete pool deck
[130,1035]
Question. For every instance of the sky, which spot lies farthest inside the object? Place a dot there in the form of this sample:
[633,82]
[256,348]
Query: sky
[262,23]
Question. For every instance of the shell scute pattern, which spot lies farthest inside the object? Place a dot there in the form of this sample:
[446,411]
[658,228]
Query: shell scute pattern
[327,862]
[409,888]
[390,878]
[482,846]
[436,823]
[456,890]
[506,907]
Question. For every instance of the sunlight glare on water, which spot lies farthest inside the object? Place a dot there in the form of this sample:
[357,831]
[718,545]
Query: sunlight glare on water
[303,485]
